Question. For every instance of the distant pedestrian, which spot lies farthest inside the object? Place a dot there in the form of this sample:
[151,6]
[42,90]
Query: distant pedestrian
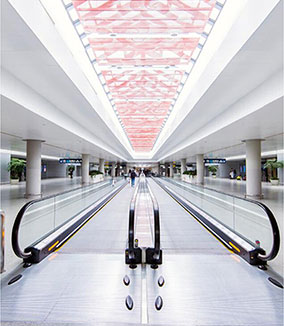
[231,174]
[132,177]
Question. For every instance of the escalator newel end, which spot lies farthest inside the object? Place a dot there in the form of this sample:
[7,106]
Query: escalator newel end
[154,266]
[159,303]
[129,302]
[132,266]
[126,280]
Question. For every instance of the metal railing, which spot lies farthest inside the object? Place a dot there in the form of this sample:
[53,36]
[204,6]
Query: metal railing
[156,253]
[133,254]
[241,205]
[57,201]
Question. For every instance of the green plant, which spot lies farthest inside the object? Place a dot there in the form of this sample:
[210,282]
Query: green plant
[94,173]
[274,178]
[16,167]
[213,169]
[191,172]
[272,165]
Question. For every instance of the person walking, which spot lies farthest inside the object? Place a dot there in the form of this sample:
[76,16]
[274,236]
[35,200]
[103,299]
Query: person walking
[132,177]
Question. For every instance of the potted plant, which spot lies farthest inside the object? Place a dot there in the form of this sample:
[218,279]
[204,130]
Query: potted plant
[71,169]
[96,175]
[16,167]
[213,170]
[273,165]
[188,174]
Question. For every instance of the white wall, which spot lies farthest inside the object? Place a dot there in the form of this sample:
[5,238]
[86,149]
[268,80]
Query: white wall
[224,169]
[155,168]
[5,175]
[53,170]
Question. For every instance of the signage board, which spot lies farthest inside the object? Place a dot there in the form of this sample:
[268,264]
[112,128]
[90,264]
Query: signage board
[215,160]
[70,160]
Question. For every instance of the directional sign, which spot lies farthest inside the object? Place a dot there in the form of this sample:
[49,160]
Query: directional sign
[70,160]
[215,160]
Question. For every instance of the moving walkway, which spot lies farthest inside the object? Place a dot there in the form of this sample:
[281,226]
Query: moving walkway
[144,228]
[199,280]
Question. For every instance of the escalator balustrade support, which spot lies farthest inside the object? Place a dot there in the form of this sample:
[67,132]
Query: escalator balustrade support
[133,254]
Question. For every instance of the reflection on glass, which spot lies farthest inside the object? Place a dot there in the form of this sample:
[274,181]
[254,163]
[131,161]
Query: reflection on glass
[245,218]
[44,216]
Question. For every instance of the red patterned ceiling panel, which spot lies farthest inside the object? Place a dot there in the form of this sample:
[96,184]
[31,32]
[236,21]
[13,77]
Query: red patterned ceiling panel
[142,49]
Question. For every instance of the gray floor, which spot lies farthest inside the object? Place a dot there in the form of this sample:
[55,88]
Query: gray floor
[179,231]
[107,231]
[81,284]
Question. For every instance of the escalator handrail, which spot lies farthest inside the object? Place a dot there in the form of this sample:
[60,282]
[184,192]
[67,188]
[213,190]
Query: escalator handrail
[16,227]
[274,226]
[132,220]
[157,232]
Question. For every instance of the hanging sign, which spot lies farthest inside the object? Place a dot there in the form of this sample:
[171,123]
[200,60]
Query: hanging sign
[70,160]
[215,160]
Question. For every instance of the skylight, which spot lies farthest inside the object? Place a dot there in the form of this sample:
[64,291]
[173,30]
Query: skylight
[143,53]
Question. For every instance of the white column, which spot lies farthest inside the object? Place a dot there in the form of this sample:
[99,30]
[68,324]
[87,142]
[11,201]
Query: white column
[200,169]
[85,168]
[166,169]
[183,166]
[33,169]
[171,170]
[253,167]
[102,166]
[113,169]
[118,169]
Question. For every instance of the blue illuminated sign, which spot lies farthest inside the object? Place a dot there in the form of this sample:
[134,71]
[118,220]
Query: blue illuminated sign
[70,160]
[215,160]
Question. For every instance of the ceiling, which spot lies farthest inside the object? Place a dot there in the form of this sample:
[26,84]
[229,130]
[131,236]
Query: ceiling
[240,104]
[143,52]
[46,94]
[132,103]
[58,142]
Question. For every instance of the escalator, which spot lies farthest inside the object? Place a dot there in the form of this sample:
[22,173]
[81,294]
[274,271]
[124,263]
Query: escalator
[103,275]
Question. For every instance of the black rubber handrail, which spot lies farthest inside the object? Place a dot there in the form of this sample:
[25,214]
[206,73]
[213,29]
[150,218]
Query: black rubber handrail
[131,227]
[157,245]
[275,230]
[16,227]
